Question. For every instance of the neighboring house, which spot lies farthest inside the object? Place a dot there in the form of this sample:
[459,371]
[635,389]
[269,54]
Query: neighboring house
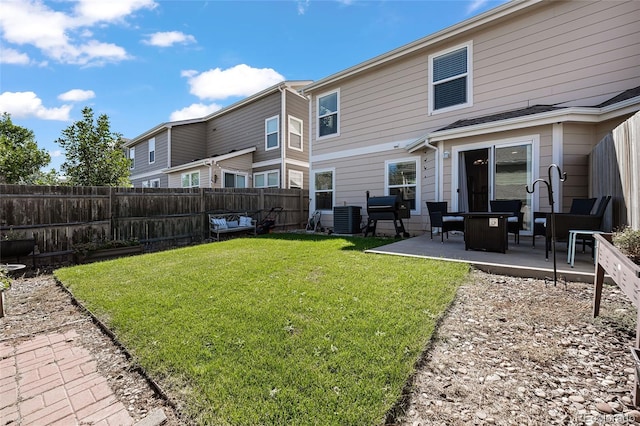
[258,142]
[478,110]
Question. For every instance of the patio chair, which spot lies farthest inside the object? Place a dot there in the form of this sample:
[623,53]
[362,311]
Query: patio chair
[514,222]
[441,218]
[578,206]
[568,221]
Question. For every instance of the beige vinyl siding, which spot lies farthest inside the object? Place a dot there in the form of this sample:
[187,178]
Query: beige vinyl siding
[297,107]
[244,128]
[354,176]
[560,53]
[187,143]
[578,53]
[175,179]
[237,165]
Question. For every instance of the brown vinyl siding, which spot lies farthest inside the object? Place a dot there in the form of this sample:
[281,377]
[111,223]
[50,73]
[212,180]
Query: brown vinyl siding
[244,128]
[297,107]
[187,143]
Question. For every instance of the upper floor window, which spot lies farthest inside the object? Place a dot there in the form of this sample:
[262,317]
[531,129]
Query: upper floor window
[295,133]
[272,134]
[132,157]
[191,180]
[152,150]
[295,179]
[402,178]
[328,114]
[269,179]
[235,180]
[450,79]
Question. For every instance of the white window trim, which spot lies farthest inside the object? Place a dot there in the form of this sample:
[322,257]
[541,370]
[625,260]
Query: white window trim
[151,181]
[301,176]
[235,173]
[266,134]
[292,118]
[266,178]
[132,157]
[190,174]
[152,141]
[317,116]
[415,211]
[313,191]
[469,75]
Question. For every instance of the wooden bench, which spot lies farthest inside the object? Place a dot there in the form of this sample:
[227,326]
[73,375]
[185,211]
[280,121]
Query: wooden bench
[226,223]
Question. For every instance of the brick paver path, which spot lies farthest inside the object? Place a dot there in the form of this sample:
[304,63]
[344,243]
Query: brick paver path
[50,381]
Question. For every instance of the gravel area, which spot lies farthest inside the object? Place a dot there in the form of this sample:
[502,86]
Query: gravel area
[508,351]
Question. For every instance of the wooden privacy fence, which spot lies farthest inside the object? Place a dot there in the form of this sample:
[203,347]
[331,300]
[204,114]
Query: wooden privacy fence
[615,165]
[59,217]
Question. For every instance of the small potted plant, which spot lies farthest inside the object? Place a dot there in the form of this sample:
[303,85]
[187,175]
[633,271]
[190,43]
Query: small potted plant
[105,249]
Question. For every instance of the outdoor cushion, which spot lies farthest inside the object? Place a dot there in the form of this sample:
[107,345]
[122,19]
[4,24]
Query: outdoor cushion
[232,224]
[220,223]
[245,221]
[512,219]
[542,220]
[452,218]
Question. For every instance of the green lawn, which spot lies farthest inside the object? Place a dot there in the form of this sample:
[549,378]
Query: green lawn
[280,329]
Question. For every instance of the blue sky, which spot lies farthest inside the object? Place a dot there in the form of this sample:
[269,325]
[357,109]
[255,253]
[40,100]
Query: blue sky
[144,62]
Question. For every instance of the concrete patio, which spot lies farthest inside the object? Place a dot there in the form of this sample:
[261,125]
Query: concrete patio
[520,260]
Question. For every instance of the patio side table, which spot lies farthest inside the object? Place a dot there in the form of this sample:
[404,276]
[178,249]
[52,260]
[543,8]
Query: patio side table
[486,231]
[573,236]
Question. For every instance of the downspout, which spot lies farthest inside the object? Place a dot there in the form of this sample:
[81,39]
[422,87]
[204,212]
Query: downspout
[312,183]
[437,168]
[169,147]
[283,126]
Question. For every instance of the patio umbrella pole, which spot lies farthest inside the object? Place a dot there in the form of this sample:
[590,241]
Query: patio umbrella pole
[549,184]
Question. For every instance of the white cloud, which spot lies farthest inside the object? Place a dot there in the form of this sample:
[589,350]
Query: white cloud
[194,111]
[241,80]
[12,56]
[169,38]
[56,154]
[27,104]
[303,5]
[92,11]
[65,37]
[77,95]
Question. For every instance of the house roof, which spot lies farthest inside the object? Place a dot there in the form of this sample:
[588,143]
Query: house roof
[626,102]
[490,16]
[295,85]
[211,160]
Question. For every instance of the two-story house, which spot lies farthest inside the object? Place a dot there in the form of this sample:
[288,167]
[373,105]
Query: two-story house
[258,142]
[479,110]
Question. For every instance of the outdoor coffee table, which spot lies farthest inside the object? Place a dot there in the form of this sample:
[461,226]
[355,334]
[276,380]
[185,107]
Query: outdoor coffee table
[486,231]
[573,236]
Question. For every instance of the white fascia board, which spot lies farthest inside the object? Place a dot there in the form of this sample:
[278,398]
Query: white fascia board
[146,174]
[266,163]
[447,33]
[209,161]
[372,149]
[298,163]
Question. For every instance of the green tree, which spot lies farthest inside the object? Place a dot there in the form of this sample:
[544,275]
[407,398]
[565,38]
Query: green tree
[20,157]
[94,155]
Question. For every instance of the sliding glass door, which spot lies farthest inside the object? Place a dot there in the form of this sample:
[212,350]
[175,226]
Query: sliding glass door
[495,172]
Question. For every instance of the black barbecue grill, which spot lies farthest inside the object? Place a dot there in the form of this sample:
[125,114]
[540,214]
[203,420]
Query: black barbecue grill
[388,207]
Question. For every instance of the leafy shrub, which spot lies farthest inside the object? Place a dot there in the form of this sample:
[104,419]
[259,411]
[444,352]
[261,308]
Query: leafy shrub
[628,241]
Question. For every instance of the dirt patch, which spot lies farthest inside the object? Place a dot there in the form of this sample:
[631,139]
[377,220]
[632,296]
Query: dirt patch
[521,351]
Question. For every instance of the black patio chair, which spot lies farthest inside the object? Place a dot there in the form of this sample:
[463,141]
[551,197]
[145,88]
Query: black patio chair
[514,222]
[441,218]
[579,206]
